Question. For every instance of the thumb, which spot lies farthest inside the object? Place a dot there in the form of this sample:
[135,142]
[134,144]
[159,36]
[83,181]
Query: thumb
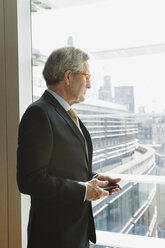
[115,180]
[102,183]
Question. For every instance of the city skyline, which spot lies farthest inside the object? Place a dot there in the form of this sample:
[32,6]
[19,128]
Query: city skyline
[144,72]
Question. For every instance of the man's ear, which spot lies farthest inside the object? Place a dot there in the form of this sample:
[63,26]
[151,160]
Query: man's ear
[67,77]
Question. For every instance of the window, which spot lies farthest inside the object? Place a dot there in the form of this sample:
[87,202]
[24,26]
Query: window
[127,65]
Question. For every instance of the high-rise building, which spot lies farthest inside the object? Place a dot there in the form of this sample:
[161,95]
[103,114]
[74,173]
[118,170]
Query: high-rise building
[141,109]
[125,95]
[70,41]
[105,92]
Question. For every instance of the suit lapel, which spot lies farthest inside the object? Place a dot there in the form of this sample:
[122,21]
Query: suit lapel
[63,113]
[88,141]
[71,123]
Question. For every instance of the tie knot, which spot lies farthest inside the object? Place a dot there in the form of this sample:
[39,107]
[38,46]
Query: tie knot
[72,113]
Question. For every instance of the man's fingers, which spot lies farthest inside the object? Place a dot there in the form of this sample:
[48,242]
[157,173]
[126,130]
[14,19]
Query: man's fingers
[115,180]
[105,193]
[102,183]
[95,190]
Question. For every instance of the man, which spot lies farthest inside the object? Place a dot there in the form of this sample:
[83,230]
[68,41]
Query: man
[55,158]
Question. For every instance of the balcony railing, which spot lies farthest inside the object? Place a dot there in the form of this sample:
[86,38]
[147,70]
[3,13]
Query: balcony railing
[119,240]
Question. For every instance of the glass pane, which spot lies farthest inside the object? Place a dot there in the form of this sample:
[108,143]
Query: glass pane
[127,66]
[137,210]
[131,211]
[124,109]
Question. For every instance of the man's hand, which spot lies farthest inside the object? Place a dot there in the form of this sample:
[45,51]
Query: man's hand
[94,192]
[110,180]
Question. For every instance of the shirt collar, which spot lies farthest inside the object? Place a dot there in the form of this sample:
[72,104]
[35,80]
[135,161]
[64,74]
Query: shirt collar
[63,103]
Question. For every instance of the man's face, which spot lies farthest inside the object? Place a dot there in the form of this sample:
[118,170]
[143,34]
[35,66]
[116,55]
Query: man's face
[79,84]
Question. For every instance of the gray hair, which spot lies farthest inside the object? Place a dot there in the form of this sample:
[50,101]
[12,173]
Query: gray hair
[61,60]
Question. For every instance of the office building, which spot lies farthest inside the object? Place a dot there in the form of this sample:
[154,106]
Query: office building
[105,91]
[125,95]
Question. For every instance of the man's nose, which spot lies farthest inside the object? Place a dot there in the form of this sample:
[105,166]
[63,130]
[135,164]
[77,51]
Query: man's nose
[88,85]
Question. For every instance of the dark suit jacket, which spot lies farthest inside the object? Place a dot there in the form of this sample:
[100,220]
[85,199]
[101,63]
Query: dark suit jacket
[53,156]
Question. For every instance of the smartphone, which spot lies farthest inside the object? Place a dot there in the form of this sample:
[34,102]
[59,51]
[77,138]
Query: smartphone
[110,186]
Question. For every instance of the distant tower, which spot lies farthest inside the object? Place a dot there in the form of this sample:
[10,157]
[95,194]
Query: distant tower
[125,95]
[141,109]
[70,41]
[105,92]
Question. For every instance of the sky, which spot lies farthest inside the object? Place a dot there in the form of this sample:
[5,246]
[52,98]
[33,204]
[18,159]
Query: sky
[108,25]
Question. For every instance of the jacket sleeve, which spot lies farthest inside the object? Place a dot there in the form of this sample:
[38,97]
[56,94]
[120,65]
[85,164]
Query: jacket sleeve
[94,175]
[35,142]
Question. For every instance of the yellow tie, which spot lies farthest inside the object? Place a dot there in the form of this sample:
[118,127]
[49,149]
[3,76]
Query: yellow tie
[74,117]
